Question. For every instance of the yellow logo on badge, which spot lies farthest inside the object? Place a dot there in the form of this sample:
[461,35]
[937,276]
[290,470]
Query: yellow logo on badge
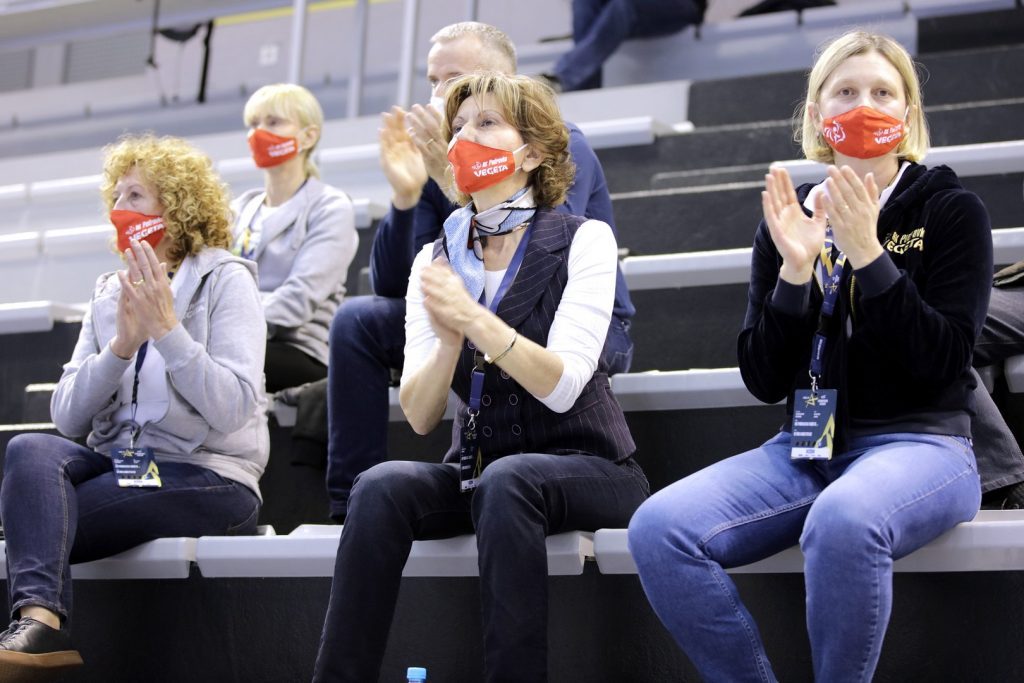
[901,244]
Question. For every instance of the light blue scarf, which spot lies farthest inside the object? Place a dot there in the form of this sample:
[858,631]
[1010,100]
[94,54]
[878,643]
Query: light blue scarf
[465,256]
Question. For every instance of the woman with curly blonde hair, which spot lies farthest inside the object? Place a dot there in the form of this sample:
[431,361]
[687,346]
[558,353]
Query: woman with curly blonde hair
[509,309]
[165,383]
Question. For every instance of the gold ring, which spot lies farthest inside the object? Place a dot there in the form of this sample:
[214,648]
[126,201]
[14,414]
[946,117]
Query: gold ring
[139,282]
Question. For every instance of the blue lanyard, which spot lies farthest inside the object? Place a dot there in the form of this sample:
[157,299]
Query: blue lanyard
[831,273]
[477,380]
[140,358]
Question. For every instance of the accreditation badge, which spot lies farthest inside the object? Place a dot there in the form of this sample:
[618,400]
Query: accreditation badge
[814,424]
[136,467]
[470,459]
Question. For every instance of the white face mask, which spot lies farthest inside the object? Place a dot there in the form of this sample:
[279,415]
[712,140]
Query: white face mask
[437,103]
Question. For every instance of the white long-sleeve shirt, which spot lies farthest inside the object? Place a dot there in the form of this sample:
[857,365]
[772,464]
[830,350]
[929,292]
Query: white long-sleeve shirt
[578,332]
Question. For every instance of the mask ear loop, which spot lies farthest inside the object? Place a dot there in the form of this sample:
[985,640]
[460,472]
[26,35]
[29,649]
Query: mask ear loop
[519,166]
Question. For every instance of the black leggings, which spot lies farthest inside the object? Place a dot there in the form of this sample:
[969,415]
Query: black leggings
[286,366]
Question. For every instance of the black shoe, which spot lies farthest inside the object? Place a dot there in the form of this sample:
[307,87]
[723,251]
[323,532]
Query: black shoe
[30,651]
[1014,497]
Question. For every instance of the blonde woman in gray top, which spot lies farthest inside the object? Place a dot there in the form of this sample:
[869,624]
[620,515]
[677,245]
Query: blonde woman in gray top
[300,231]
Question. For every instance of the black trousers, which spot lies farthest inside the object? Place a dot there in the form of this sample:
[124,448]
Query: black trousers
[287,366]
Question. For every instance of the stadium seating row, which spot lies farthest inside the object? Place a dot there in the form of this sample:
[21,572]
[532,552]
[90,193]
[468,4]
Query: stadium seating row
[993,541]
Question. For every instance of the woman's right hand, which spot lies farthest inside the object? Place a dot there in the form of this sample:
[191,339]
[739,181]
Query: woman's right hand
[401,160]
[447,303]
[424,124]
[797,237]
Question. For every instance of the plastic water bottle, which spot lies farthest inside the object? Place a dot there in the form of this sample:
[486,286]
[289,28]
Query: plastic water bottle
[416,674]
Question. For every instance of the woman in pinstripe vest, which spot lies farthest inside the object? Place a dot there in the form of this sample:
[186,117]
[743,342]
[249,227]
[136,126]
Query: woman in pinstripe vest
[508,311]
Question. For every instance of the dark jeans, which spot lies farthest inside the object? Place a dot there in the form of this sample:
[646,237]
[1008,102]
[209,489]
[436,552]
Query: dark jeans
[61,504]
[367,340]
[287,366]
[1000,460]
[520,500]
[600,26]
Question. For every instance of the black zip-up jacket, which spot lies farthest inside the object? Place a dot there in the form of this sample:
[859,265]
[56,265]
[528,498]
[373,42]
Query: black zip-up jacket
[899,353]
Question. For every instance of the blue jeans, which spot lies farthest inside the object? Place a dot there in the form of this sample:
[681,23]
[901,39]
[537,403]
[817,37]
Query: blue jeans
[61,504]
[520,500]
[367,340]
[600,26]
[887,496]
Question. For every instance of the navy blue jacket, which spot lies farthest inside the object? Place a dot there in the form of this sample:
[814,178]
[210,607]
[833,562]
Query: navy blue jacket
[900,339]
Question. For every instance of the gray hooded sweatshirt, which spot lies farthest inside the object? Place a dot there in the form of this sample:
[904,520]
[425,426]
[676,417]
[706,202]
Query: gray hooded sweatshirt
[303,255]
[216,405]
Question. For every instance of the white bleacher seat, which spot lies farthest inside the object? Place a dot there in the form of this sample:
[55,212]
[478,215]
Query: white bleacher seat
[923,9]
[1014,369]
[310,550]
[992,541]
[19,246]
[985,158]
[681,389]
[15,194]
[853,14]
[1008,245]
[732,266]
[35,316]
[625,132]
[164,558]
[635,391]
[690,269]
[65,188]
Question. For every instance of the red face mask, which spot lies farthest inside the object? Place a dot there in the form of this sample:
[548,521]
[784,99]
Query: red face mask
[863,133]
[136,226]
[271,150]
[477,167]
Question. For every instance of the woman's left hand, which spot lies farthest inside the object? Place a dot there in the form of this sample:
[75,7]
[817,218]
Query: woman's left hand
[446,299]
[852,208]
[149,292]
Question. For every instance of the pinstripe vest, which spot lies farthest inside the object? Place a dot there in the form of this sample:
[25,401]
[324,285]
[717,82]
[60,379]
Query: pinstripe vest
[511,420]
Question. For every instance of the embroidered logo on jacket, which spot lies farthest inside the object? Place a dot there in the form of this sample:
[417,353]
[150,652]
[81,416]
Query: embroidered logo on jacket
[901,244]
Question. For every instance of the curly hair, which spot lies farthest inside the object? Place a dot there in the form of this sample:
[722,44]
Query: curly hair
[529,107]
[914,145]
[196,210]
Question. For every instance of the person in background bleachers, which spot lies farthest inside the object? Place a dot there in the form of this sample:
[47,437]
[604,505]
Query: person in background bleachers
[166,381]
[367,335]
[509,309]
[867,292]
[599,27]
[300,232]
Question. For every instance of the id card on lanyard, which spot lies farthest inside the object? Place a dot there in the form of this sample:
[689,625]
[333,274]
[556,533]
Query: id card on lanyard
[470,453]
[135,466]
[814,409]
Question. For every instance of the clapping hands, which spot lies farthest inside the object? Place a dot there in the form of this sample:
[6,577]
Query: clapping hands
[145,309]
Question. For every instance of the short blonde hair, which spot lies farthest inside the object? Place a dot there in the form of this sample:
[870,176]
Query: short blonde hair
[291,102]
[196,209]
[500,50]
[529,107]
[915,143]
